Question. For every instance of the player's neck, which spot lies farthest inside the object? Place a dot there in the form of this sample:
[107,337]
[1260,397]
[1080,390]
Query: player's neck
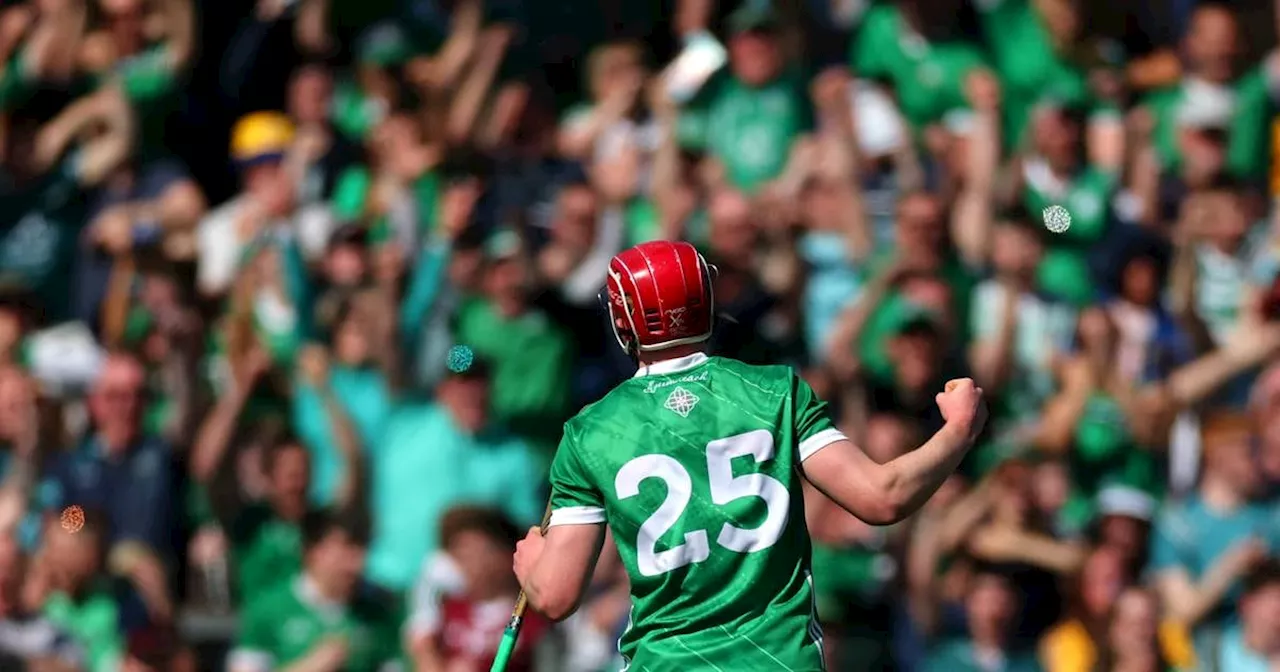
[651,358]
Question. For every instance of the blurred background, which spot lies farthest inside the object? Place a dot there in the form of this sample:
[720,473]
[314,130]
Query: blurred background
[240,239]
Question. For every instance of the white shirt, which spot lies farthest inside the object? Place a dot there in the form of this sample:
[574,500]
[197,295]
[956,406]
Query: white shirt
[219,248]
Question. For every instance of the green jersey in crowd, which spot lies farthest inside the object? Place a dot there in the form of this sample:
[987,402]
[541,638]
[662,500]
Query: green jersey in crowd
[695,465]
[283,626]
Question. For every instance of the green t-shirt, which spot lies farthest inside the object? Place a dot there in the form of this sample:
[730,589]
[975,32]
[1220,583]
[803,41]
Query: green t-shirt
[267,550]
[1106,452]
[94,622]
[284,625]
[355,114]
[151,84]
[1247,147]
[16,82]
[695,466]
[1030,69]
[351,197]
[884,319]
[749,129]
[928,78]
[40,227]
[531,357]
[1064,270]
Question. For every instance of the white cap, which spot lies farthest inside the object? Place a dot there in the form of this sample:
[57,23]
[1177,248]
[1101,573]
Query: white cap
[1122,500]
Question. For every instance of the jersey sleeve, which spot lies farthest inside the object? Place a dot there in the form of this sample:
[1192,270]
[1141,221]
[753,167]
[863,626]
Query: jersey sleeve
[574,500]
[813,426]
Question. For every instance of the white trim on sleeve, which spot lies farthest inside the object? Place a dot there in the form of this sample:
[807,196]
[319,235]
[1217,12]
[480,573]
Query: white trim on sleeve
[249,660]
[818,441]
[576,515]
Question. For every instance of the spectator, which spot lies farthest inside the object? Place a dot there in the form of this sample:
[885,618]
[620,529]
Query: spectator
[1018,330]
[991,605]
[505,326]
[490,466]
[1134,634]
[340,411]
[151,204]
[1213,85]
[323,617]
[69,578]
[749,117]
[1203,547]
[917,48]
[605,125]
[31,638]
[465,627]
[322,151]
[125,474]
[266,208]
[1112,620]
[1254,645]
[43,179]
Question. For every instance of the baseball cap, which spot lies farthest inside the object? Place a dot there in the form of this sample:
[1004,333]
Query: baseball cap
[261,136]
[1129,502]
[754,15]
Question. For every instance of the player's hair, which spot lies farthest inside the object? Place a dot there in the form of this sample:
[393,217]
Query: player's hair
[487,521]
[318,524]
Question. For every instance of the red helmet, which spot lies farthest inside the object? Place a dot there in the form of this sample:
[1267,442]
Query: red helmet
[660,292]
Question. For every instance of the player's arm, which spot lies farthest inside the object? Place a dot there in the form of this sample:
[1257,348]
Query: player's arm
[555,566]
[882,494]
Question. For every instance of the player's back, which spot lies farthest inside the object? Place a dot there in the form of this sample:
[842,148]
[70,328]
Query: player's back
[695,463]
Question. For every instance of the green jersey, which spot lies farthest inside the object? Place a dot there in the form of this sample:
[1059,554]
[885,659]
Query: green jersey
[284,625]
[695,465]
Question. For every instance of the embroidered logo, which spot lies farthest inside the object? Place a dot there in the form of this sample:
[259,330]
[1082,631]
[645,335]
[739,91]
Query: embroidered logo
[681,402]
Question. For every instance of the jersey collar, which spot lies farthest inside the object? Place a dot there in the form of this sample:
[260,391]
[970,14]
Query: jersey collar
[671,365]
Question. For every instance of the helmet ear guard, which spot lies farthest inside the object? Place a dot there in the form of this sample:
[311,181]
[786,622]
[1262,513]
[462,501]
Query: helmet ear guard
[626,338]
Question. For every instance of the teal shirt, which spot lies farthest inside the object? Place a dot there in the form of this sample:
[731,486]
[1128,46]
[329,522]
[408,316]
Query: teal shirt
[421,445]
[367,399]
[960,656]
[1190,536]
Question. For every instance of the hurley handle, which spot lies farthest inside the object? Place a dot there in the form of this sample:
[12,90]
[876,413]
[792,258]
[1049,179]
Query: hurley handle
[512,632]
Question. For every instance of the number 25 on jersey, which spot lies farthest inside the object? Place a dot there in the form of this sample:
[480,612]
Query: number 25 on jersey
[725,488]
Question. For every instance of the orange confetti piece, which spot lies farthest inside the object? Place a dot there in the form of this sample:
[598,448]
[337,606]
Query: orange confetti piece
[72,518]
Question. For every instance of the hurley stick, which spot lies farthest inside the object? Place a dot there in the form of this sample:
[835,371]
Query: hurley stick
[512,632]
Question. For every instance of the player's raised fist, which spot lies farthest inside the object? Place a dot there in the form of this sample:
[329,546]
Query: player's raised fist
[961,404]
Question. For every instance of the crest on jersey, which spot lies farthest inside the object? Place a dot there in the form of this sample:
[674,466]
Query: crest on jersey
[681,402]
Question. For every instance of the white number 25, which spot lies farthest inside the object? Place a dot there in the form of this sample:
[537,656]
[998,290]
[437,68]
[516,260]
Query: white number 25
[725,488]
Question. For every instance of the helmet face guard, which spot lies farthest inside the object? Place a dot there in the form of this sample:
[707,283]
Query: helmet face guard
[659,296]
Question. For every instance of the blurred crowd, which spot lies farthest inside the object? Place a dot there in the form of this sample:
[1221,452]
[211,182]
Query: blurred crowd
[240,242]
